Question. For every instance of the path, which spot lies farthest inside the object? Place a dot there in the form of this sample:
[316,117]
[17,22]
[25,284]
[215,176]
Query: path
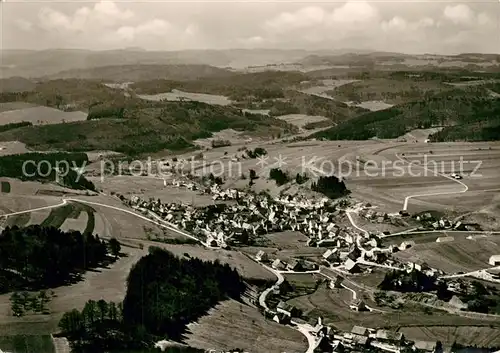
[34,209]
[407,199]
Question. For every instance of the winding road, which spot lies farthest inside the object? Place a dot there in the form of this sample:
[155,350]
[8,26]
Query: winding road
[407,199]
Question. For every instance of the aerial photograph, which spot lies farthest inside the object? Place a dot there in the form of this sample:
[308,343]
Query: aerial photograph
[266,176]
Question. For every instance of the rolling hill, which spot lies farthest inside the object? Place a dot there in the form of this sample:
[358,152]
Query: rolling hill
[135,73]
[466,113]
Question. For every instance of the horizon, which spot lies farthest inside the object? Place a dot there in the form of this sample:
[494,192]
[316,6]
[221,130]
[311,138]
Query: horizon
[405,27]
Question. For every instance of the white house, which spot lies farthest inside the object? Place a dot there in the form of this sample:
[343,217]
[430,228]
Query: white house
[494,260]
[261,256]
[444,239]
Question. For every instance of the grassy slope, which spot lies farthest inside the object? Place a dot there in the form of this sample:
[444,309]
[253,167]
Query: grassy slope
[143,72]
[461,109]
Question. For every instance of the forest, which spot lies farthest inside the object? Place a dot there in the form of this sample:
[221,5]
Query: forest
[330,186]
[37,257]
[164,294]
[42,167]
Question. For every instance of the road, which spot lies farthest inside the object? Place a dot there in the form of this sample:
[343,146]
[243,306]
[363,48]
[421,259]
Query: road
[64,202]
[407,199]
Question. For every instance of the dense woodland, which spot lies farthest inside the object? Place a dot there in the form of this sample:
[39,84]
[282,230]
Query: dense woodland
[12,126]
[470,114]
[132,125]
[402,281]
[37,257]
[27,166]
[330,186]
[164,293]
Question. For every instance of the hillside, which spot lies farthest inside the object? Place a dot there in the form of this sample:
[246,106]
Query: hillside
[467,110]
[16,84]
[134,126]
[135,73]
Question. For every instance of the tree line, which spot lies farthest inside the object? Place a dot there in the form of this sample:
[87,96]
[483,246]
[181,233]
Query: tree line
[43,167]
[164,294]
[37,257]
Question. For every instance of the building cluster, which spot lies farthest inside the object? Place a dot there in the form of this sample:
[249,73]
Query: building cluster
[362,338]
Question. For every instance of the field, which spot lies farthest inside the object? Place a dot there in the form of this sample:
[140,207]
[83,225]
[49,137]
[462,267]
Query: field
[300,120]
[247,267]
[146,188]
[452,257]
[479,336]
[235,325]
[12,147]
[332,305]
[40,115]
[177,95]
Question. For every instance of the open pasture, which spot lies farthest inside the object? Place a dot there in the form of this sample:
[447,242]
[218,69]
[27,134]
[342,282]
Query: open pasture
[177,95]
[480,336]
[300,120]
[332,305]
[233,325]
[458,255]
[287,240]
[9,106]
[12,147]
[148,187]
[105,283]
[40,115]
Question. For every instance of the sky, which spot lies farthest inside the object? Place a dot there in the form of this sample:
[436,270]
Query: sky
[444,27]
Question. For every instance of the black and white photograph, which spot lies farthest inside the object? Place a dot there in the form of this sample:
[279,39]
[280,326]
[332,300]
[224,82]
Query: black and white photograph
[267,176]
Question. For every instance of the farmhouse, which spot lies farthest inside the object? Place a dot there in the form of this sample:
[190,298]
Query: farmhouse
[286,309]
[336,283]
[494,260]
[389,336]
[457,303]
[331,255]
[495,273]
[261,256]
[294,265]
[424,347]
[277,265]
[352,266]
[406,245]
[357,305]
[444,239]
[360,330]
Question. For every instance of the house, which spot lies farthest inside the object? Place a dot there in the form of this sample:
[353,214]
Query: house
[406,244]
[360,331]
[358,305]
[444,239]
[362,341]
[495,273]
[352,266]
[294,265]
[494,260]
[261,256]
[331,255]
[389,337]
[286,309]
[281,318]
[424,346]
[278,265]
[457,303]
[336,283]
[323,346]
[354,254]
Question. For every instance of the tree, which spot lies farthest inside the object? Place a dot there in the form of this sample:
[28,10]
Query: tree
[16,302]
[114,247]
